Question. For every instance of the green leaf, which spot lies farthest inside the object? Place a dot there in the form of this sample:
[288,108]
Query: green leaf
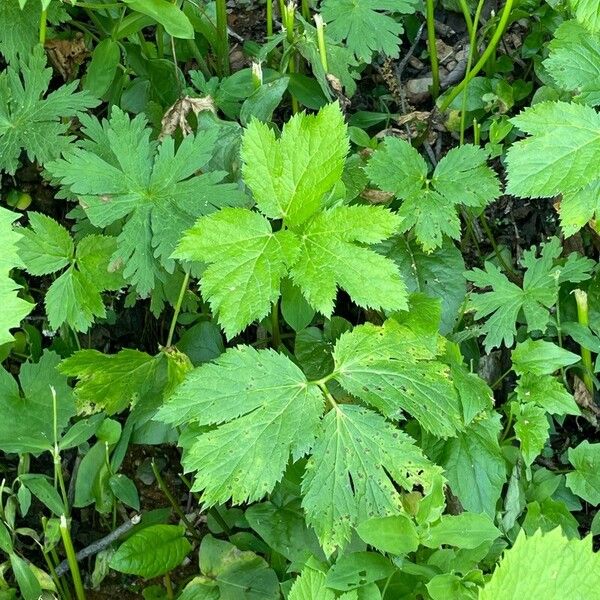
[109,382]
[395,534]
[152,551]
[31,122]
[124,490]
[237,572]
[587,13]
[548,393]
[502,305]
[263,409]
[387,369]
[26,579]
[14,309]
[585,480]
[289,177]
[573,61]
[334,253]
[310,585]
[155,189]
[358,445]
[548,515]
[557,158]
[474,465]
[170,16]
[295,309]
[103,67]
[364,26]
[437,274]
[540,357]
[28,417]
[246,264]
[41,488]
[467,530]
[544,566]
[6,544]
[461,178]
[45,248]
[531,429]
[358,569]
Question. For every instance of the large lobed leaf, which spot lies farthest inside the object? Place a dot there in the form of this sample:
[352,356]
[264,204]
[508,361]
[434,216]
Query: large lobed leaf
[156,189]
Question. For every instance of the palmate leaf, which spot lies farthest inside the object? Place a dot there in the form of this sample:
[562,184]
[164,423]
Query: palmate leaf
[334,253]
[365,26]
[430,204]
[398,376]
[574,61]
[558,157]
[546,566]
[587,13]
[585,479]
[14,309]
[246,263]
[289,176]
[321,249]
[504,303]
[27,423]
[31,122]
[75,296]
[19,29]
[155,189]
[256,410]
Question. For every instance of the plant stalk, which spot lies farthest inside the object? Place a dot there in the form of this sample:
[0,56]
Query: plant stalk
[184,286]
[275,333]
[483,58]
[223,38]
[43,26]
[269,18]
[431,45]
[71,558]
[581,300]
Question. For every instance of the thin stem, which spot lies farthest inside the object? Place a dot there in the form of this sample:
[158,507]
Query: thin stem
[488,232]
[222,37]
[483,58]
[431,45]
[269,18]
[328,395]
[586,356]
[43,26]
[191,44]
[288,19]
[213,511]
[275,333]
[184,286]
[58,474]
[500,379]
[470,58]
[169,586]
[321,41]
[71,558]
[305,10]
[464,7]
[507,427]
[94,6]
[167,492]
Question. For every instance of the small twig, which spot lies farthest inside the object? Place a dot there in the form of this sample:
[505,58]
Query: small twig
[99,545]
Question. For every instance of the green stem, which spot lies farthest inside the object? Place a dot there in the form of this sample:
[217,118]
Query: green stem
[160,40]
[213,511]
[94,6]
[586,356]
[58,474]
[169,587]
[223,38]
[470,58]
[507,427]
[330,398]
[433,57]
[275,333]
[71,558]
[288,19]
[464,7]
[191,44]
[483,58]
[167,492]
[43,26]
[269,18]
[321,41]
[305,10]
[184,286]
